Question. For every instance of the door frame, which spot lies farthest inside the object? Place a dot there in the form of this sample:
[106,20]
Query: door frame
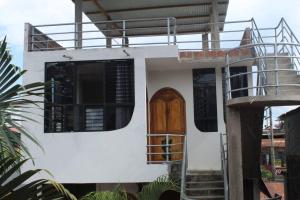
[155,96]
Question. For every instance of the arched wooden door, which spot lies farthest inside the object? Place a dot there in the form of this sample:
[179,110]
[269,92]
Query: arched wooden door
[167,116]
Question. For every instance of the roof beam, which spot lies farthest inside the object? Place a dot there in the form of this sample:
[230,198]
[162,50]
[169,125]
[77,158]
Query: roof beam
[153,7]
[102,10]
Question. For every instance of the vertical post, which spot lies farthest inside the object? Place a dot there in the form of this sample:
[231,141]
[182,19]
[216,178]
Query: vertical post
[28,37]
[124,33]
[168,30]
[276,64]
[205,45]
[235,162]
[227,70]
[167,148]
[214,19]
[272,143]
[292,51]
[174,31]
[78,24]
[109,35]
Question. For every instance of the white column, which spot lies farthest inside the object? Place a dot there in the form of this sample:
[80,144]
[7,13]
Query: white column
[214,19]
[27,37]
[78,24]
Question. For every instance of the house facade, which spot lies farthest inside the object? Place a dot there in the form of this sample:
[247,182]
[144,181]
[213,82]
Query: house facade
[140,88]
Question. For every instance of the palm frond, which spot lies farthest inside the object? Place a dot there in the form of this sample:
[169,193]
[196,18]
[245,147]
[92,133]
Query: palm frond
[154,190]
[116,194]
[13,98]
[14,185]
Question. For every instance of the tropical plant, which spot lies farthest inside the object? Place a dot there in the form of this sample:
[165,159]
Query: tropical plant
[151,191]
[154,190]
[266,174]
[117,194]
[14,98]
[14,185]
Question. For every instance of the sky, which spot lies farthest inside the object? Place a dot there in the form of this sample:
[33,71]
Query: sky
[14,13]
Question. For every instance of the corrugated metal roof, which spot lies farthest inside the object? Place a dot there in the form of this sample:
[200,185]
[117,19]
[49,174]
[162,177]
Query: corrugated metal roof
[185,11]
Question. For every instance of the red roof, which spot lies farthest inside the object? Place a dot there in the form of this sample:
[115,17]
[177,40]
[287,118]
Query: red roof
[278,142]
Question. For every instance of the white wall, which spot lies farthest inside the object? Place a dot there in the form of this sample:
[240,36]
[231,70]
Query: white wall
[96,157]
[203,148]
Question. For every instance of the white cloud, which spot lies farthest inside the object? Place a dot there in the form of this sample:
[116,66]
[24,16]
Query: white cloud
[14,13]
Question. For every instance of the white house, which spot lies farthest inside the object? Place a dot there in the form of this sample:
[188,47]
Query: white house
[140,88]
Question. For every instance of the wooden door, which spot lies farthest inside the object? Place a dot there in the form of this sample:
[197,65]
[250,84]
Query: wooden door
[167,116]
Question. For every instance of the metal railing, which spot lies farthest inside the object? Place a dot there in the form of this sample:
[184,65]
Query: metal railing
[269,50]
[134,33]
[165,148]
[224,159]
[184,168]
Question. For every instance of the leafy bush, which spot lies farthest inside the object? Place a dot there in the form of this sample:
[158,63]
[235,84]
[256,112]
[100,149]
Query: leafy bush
[266,174]
[152,191]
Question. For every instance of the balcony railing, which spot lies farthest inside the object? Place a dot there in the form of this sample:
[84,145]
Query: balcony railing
[165,148]
[274,54]
[134,33]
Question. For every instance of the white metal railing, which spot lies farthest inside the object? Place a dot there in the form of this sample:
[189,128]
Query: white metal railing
[267,45]
[165,148]
[224,159]
[184,168]
[134,33]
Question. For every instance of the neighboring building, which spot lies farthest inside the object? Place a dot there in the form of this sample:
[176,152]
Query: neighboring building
[279,151]
[291,125]
[143,87]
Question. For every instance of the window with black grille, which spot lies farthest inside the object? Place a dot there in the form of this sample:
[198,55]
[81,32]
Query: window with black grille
[205,99]
[89,95]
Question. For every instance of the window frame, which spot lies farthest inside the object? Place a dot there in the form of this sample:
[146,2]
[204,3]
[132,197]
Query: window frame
[206,130]
[105,105]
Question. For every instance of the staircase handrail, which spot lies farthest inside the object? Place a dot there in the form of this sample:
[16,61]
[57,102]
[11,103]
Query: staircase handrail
[294,51]
[183,171]
[224,165]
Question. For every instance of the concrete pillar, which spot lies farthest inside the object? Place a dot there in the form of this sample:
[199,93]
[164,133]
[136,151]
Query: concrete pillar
[214,19]
[78,24]
[205,45]
[244,131]
[27,38]
[235,162]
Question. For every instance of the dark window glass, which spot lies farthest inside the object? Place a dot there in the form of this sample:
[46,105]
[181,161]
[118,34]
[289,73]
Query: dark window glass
[205,99]
[89,96]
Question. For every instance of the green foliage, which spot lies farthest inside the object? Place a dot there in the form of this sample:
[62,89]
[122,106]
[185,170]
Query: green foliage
[13,186]
[152,191]
[266,174]
[117,194]
[13,99]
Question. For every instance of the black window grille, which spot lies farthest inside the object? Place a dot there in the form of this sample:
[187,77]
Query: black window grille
[89,95]
[205,99]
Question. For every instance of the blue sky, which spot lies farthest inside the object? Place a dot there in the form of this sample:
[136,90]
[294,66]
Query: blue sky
[14,13]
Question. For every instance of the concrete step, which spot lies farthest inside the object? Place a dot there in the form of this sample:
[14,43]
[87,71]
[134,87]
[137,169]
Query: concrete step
[284,90]
[220,197]
[284,79]
[205,191]
[208,177]
[203,184]
[204,172]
